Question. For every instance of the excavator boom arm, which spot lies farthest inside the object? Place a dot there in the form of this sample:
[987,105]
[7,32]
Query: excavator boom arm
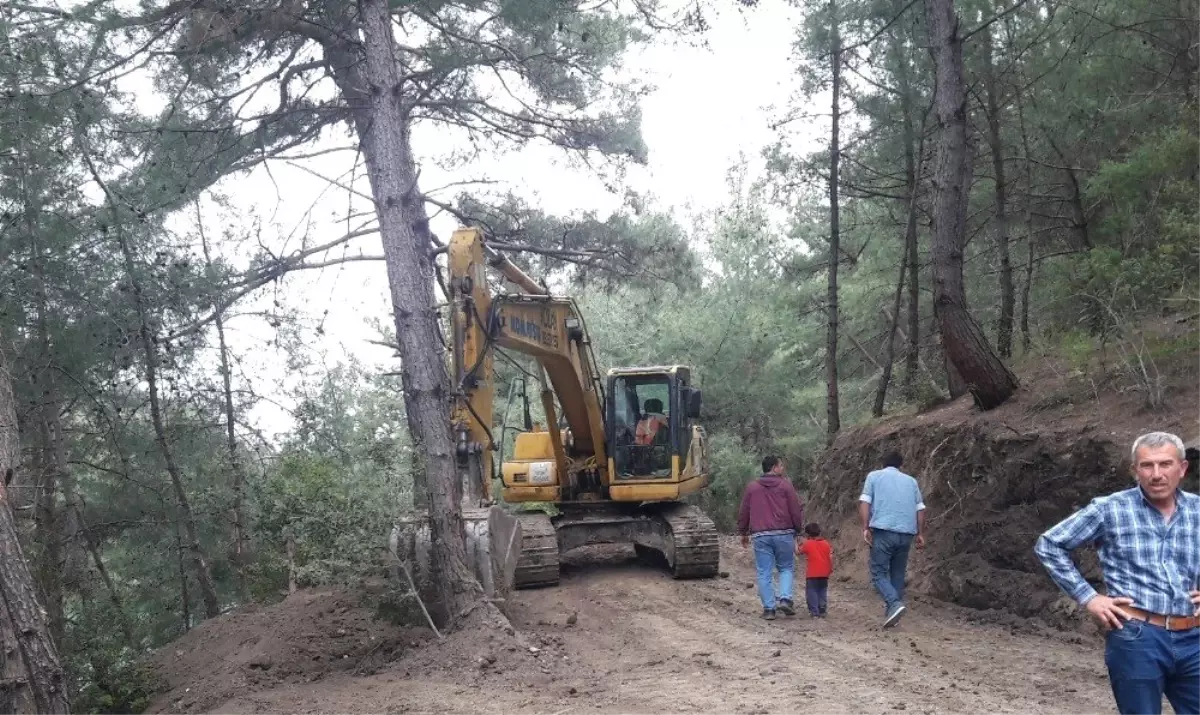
[545,327]
[550,331]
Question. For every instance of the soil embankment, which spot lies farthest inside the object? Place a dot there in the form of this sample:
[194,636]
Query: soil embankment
[994,481]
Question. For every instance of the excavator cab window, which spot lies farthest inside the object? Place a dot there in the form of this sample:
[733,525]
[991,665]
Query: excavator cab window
[642,432]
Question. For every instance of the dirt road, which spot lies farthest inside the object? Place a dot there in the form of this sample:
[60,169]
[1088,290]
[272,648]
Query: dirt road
[617,636]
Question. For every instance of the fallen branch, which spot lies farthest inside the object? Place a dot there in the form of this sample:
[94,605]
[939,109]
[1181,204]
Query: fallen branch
[412,585]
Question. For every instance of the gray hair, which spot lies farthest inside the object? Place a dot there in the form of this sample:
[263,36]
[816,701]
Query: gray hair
[1157,439]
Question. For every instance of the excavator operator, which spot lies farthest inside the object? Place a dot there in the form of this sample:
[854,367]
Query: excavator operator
[652,421]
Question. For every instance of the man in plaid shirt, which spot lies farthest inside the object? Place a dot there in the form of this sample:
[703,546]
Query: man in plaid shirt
[1148,541]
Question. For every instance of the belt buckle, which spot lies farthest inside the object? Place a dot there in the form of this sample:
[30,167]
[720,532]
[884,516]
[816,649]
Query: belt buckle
[1167,622]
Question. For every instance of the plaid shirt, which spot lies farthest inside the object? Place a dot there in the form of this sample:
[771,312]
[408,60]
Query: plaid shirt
[1152,561]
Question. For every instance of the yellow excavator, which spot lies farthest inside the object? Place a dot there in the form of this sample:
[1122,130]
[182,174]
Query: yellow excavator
[617,454]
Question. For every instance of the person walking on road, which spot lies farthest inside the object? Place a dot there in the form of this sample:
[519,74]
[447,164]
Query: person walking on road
[1149,549]
[771,514]
[818,567]
[893,515]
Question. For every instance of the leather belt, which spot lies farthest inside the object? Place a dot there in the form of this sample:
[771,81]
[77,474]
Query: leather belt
[1171,623]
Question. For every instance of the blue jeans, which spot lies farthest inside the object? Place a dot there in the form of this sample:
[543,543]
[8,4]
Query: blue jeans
[816,595]
[889,564]
[771,552]
[1145,662]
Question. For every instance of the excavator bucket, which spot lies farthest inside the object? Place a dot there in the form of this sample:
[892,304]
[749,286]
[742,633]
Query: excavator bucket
[493,539]
[493,544]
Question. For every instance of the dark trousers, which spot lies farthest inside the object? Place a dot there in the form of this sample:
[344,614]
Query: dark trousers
[1146,662]
[816,594]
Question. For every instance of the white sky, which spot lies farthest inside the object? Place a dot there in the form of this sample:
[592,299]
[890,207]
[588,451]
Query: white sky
[711,107]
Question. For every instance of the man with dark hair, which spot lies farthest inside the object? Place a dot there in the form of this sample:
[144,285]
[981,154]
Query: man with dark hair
[652,421]
[893,514]
[771,514]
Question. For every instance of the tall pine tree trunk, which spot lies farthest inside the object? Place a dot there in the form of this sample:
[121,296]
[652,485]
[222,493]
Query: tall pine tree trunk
[93,548]
[1004,321]
[185,598]
[237,474]
[889,346]
[151,357]
[50,527]
[25,620]
[914,155]
[912,173]
[833,417]
[965,346]
[371,83]
[47,428]
[912,357]
[1079,215]
[1027,286]
[208,591]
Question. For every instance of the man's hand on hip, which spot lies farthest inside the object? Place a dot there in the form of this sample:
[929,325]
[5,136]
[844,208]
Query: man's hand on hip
[1195,601]
[1106,610]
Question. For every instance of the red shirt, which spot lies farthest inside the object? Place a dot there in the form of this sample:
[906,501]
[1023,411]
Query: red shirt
[770,503]
[819,556]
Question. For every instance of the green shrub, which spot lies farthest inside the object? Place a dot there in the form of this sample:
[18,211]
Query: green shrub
[1078,347]
[732,468]
[339,522]
[105,674]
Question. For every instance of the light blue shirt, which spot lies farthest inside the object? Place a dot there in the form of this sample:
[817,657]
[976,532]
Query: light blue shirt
[895,499]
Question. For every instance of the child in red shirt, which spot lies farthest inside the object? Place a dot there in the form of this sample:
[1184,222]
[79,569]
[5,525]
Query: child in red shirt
[818,556]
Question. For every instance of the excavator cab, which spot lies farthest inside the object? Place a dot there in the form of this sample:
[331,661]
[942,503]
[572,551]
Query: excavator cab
[651,414]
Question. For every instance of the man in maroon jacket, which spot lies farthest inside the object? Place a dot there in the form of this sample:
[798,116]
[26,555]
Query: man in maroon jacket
[772,516]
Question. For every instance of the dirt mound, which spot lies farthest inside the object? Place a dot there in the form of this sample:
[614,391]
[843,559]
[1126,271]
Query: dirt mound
[993,482]
[306,637]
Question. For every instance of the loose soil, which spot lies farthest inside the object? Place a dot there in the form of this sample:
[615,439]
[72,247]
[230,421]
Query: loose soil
[619,636]
[309,636]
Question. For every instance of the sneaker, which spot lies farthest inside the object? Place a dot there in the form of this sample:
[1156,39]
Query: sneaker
[893,615]
[768,614]
[785,605]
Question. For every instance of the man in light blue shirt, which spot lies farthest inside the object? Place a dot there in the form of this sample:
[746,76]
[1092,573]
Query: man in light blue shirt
[892,514]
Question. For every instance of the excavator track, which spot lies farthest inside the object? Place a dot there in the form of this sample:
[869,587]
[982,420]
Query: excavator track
[538,563]
[697,553]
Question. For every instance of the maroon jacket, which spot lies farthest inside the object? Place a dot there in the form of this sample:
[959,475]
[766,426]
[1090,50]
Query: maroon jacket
[770,503]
